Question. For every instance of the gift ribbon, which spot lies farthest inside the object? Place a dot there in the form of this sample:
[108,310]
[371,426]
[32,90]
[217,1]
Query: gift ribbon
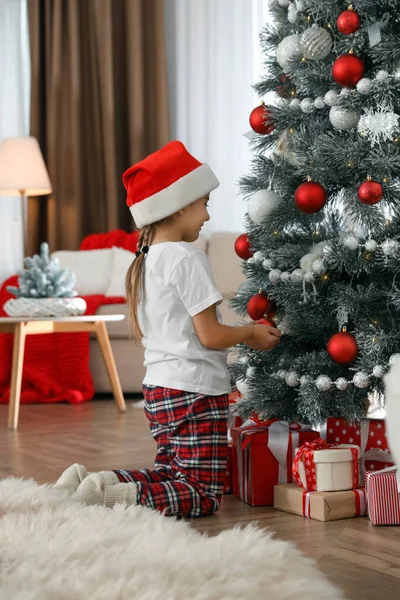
[305,454]
[359,496]
[376,454]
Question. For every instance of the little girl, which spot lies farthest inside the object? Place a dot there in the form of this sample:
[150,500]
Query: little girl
[173,301]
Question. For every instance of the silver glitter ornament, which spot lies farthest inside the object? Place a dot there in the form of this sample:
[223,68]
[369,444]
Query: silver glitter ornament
[318,266]
[361,380]
[393,358]
[292,13]
[341,384]
[307,105]
[351,242]
[286,276]
[390,247]
[275,275]
[378,371]
[382,75]
[331,98]
[292,379]
[319,102]
[342,118]
[371,245]
[261,204]
[268,264]
[283,3]
[258,257]
[295,103]
[316,43]
[364,86]
[288,50]
[323,383]
[297,276]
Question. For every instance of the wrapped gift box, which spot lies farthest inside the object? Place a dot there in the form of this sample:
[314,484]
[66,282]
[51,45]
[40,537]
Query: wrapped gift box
[369,434]
[320,467]
[322,506]
[383,494]
[262,457]
[228,486]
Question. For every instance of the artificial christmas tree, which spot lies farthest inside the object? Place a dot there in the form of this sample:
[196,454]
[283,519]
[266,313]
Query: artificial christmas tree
[326,249]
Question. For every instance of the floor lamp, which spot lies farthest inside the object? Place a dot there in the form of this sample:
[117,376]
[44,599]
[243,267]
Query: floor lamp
[23,173]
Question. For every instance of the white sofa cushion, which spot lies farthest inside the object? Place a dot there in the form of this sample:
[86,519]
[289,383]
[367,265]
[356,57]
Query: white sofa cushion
[121,260]
[91,267]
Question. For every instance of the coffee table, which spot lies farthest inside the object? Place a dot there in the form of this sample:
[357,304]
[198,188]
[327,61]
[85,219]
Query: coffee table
[24,326]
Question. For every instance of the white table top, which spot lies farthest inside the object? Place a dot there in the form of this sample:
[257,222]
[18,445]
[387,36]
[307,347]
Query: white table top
[83,319]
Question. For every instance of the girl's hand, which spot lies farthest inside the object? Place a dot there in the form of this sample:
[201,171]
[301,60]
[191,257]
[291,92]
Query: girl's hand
[264,337]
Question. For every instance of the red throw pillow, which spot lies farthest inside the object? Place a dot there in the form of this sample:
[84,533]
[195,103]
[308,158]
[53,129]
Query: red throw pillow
[117,237]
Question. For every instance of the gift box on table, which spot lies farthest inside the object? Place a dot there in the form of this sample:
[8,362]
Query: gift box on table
[321,506]
[383,495]
[369,434]
[262,457]
[322,467]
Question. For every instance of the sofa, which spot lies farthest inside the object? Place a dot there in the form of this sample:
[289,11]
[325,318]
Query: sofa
[112,263]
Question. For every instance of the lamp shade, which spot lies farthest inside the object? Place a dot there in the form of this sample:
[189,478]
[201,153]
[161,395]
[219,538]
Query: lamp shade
[22,168]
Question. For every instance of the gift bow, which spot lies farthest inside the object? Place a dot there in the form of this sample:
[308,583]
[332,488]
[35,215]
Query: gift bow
[305,454]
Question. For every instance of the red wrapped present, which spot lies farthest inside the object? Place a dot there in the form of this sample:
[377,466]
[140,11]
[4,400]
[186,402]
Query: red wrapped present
[262,457]
[383,496]
[369,434]
[322,467]
[228,484]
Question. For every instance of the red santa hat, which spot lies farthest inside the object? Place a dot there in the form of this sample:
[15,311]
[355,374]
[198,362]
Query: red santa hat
[165,182]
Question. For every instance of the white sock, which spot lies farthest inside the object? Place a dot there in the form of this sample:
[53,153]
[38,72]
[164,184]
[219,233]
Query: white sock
[121,493]
[91,490]
[71,478]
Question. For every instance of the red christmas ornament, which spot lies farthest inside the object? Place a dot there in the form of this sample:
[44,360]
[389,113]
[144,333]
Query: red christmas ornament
[342,348]
[258,305]
[347,70]
[348,22]
[266,322]
[260,120]
[242,247]
[310,197]
[370,192]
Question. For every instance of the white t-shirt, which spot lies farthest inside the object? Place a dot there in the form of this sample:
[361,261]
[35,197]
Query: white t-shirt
[178,285]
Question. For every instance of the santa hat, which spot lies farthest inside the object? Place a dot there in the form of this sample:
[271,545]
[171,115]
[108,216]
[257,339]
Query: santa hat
[165,182]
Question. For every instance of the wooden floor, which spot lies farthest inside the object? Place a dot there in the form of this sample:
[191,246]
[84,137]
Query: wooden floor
[362,559]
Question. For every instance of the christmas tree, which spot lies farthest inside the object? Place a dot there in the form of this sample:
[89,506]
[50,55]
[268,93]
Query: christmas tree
[322,234]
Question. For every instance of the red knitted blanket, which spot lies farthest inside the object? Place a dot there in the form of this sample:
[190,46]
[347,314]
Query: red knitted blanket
[56,366]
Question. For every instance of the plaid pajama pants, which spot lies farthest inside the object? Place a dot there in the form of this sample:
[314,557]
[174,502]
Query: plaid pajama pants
[191,434]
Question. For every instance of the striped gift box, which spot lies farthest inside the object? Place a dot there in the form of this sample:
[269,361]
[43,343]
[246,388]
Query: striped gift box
[383,496]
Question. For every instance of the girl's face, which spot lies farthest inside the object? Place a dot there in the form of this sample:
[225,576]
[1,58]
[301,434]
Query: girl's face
[192,219]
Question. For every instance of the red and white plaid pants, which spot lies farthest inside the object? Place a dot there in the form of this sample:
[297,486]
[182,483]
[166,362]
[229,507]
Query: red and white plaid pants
[191,434]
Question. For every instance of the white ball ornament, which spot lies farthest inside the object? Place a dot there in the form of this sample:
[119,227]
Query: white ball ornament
[361,380]
[394,358]
[250,372]
[292,379]
[360,231]
[371,245]
[268,264]
[364,86]
[300,5]
[295,103]
[258,257]
[378,371]
[292,13]
[319,102]
[275,275]
[250,260]
[318,266]
[307,105]
[273,4]
[286,276]
[342,384]
[331,98]
[283,3]
[351,242]
[287,51]
[297,276]
[261,204]
[323,383]
[316,43]
[382,75]
[390,247]
[342,118]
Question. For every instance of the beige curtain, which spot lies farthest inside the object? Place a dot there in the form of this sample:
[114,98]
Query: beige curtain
[99,103]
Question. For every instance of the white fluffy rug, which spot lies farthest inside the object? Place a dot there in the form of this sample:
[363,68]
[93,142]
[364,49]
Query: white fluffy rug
[54,549]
